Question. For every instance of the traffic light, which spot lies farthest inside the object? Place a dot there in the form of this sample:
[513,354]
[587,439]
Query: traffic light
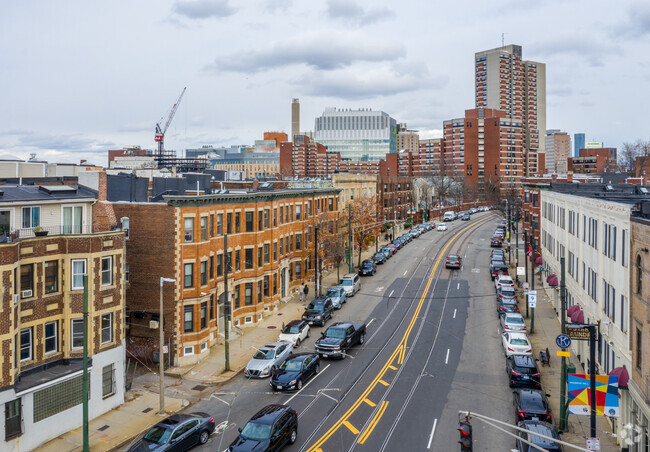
[465,430]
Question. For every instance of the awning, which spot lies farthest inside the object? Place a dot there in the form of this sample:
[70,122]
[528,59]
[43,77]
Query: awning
[552,280]
[539,260]
[623,376]
[578,317]
[572,309]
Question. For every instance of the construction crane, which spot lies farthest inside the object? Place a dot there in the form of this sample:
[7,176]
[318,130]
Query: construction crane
[160,132]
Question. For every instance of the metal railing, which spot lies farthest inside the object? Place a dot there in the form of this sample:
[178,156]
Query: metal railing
[8,236]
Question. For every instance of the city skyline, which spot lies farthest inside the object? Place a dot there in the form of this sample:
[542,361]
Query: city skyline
[88,78]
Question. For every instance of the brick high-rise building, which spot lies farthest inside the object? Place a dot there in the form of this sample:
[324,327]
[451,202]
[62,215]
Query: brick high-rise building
[427,162]
[304,158]
[503,81]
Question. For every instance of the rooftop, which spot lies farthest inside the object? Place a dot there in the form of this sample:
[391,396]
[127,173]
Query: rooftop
[624,193]
[17,193]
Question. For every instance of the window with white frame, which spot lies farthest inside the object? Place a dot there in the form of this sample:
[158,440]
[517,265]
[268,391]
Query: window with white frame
[108,386]
[77,327]
[188,350]
[188,229]
[107,271]
[78,272]
[31,217]
[26,346]
[72,219]
[51,337]
[248,319]
[126,271]
[107,328]
[204,346]
[623,319]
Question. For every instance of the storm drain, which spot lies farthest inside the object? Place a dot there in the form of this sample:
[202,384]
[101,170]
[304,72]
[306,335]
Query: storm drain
[146,410]
[199,388]
[101,429]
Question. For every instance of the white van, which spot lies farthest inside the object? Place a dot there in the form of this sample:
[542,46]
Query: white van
[449,216]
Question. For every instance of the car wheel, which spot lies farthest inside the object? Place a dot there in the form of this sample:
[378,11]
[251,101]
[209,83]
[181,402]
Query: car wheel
[299,385]
[205,435]
[293,437]
[298,342]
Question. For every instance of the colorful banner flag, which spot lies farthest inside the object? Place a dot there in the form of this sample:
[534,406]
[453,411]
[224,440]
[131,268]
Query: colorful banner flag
[606,395]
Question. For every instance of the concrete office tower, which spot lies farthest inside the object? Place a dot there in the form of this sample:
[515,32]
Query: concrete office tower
[578,143]
[362,134]
[295,118]
[407,140]
[503,81]
[558,151]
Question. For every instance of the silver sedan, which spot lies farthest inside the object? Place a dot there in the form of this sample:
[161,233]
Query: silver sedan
[267,359]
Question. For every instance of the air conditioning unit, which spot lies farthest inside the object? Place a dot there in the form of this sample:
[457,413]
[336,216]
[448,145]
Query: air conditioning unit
[26,293]
[153,324]
[16,298]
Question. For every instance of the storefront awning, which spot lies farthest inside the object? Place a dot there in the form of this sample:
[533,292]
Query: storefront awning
[623,376]
[552,280]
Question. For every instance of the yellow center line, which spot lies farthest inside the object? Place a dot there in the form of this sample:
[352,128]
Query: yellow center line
[374,422]
[372,404]
[398,352]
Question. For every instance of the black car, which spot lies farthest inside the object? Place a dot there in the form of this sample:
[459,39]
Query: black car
[465,217]
[269,430]
[319,311]
[453,261]
[496,267]
[543,428]
[522,372]
[295,371]
[531,405]
[177,432]
[496,242]
[398,243]
[379,258]
[368,267]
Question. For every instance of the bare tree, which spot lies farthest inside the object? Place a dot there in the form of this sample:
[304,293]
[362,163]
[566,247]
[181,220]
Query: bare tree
[366,227]
[630,151]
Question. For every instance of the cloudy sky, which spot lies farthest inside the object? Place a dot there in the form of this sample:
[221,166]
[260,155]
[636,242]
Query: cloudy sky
[80,77]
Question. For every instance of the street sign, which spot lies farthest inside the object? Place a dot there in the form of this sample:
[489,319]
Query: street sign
[581,334]
[561,353]
[521,271]
[563,341]
[532,298]
[526,285]
[593,443]
[165,349]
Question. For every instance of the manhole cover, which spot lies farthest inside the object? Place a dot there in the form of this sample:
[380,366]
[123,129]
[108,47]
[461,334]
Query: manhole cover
[199,388]
[147,410]
[271,327]
[101,429]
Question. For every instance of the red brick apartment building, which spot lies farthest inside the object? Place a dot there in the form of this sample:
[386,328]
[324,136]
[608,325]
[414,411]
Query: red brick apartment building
[395,195]
[269,246]
[593,161]
[47,244]
[304,158]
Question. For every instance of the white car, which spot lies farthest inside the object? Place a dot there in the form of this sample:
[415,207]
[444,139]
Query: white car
[268,358]
[295,332]
[513,322]
[504,281]
[516,344]
[442,227]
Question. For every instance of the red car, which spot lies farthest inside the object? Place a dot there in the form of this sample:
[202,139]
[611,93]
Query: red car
[453,261]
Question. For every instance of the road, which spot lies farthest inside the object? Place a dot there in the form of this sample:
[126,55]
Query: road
[432,348]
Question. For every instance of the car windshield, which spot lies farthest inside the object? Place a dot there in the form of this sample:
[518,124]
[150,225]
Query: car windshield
[158,435]
[508,293]
[335,332]
[255,431]
[517,320]
[345,282]
[264,353]
[293,329]
[293,365]
[532,402]
[332,293]
[517,341]
[366,264]
[315,307]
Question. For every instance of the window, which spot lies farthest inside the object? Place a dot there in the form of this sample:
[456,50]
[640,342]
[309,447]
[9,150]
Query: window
[107,328]
[107,271]
[26,353]
[27,281]
[31,217]
[298,212]
[281,213]
[259,292]
[229,223]
[188,319]
[211,267]
[237,296]
[51,276]
[126,271]
[248,294]
[298,270]
[248,264]
[623,317]
[260,220]
[219,264]
[57,398]
[624,255]
[204,273]
[266,286]
[237,260]
[189,230]
[237,222]
[267,250]
[266,218]
[107,381]
[281,246]
[188,280]
[249,221]
[77,333]
[639,349]
[187,351]
[639,275]
[298,242]
[125,226]
[13,419]
[275,217]
[211,225]
[220,224]
[51,337]
[275,283]
[275,251]
[72,219]
[259,256]
[204,315]
[204,228]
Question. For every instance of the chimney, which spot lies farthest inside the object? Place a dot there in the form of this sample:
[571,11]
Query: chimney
[256,184]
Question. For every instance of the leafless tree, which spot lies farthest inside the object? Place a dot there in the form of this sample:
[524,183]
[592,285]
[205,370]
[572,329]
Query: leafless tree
[630,151]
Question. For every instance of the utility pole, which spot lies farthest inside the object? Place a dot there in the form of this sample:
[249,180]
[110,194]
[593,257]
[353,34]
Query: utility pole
[563,420]
[350,263]
[532,283]
[316,285]
[394,216]
[526,265]
[161,353]
[226,304]
[517,244]
[86,438]
[592,375]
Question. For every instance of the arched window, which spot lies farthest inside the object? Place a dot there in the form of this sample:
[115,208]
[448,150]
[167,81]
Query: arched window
[639,274]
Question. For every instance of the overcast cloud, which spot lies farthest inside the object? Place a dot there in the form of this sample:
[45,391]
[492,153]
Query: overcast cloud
[82,77]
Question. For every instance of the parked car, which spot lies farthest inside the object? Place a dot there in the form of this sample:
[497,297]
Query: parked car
[398,243]
[177,432]
[543,428]
[268,358]
[319,311]
[379,258]
[504,281]
[337,295]
[522,371]
[513,322]
[351,283]
[465,217]
[368,268]
[531,404]
[295,371]
[506,305]
[392,247]
[498,252]
[506,292]
[453,261]
[339,338]
[387,252]
[442,227]
[295,332]
[516,344]
[269,429]
[497,267]
[496,242]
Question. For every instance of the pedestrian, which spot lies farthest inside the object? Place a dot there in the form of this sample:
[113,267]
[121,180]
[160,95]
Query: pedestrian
[305,292]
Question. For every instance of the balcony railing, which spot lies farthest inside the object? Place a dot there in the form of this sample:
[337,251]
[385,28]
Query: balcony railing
[8,236]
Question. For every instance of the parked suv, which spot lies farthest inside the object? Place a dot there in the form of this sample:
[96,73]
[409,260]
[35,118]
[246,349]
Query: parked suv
[352,284]
[271,428]
[543,428]
[368,267]
[319,311]
[522,371]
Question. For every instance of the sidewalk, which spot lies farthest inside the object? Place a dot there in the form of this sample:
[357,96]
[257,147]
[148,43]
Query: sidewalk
[186,385]
[547,327]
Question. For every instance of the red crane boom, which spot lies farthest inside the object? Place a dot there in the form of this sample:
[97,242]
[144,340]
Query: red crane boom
[160,132]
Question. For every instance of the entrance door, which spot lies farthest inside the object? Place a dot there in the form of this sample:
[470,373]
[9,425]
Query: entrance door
[5,222]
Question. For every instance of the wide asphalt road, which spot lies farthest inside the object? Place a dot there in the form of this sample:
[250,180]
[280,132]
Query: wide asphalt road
[432,348]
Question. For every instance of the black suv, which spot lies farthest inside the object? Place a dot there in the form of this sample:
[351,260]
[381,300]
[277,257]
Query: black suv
[531,405]
[319,311]
[543,428]
[522,372]
[270,429]
[368,267]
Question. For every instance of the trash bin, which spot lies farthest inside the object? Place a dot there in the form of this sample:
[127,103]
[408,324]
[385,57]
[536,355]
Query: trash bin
[571,368]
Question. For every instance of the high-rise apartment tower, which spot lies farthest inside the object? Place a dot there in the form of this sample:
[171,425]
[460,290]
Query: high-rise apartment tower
[295,118]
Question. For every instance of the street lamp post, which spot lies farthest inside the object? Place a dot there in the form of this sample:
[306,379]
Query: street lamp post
[161,354]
